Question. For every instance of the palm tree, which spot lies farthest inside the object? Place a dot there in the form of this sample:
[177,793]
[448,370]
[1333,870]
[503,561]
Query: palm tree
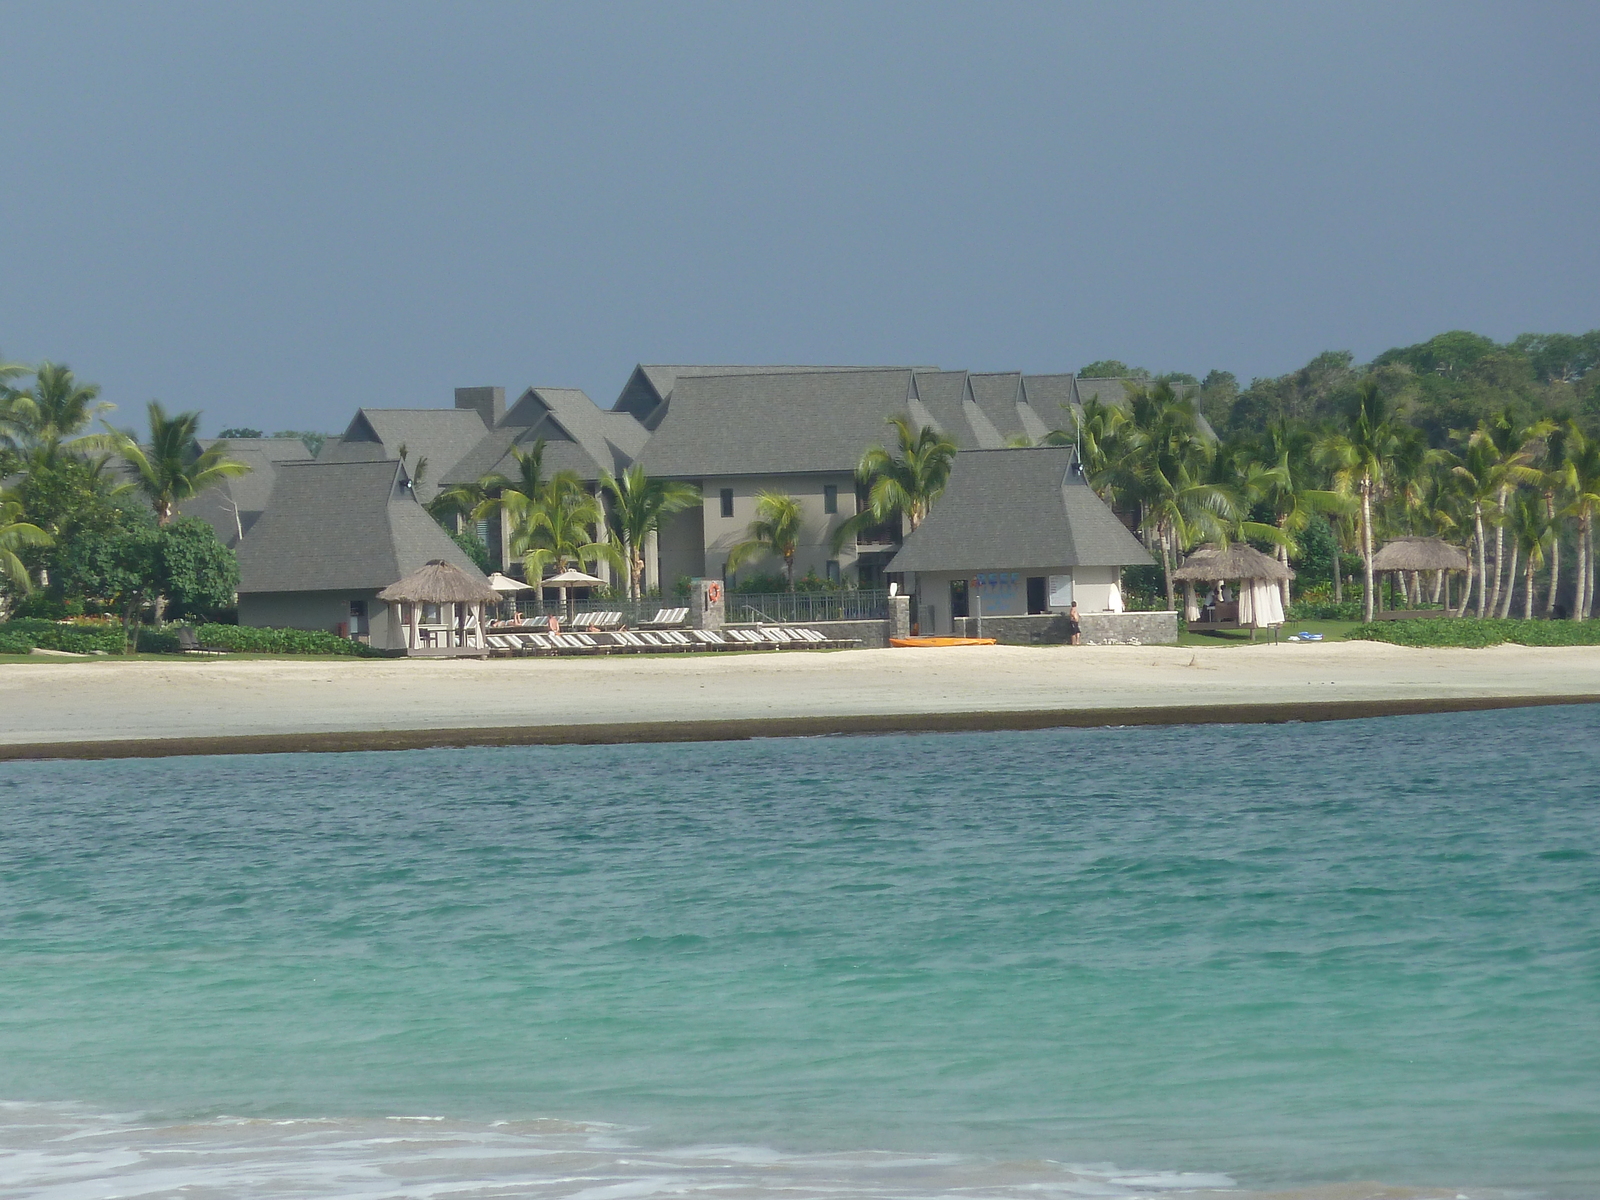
[485,496]
[49,416]
[1513,448]
[1532,530]
[17,534]
[775,531]
[1360,457]
[1288,487]
[904,483]
[1580,475]
[1161,460]
[173,468]
[638,504]
[558,526]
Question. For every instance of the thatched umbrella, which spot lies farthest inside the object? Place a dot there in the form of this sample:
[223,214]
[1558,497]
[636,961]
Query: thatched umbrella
[437,582]
[1422,554]
[1237,560]
[1242,562]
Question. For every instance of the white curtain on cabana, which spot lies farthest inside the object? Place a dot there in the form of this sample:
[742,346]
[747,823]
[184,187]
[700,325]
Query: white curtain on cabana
[1260,605]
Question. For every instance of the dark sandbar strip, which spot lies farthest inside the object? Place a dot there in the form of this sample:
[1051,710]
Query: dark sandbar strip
[605,734]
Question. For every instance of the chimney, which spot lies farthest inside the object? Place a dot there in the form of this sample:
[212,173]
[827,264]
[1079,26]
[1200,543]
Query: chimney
[490,402]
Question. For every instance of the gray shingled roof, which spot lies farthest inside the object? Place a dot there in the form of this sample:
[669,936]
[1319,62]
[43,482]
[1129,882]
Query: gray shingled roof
[579,437]
[774,424]
[651,383]
[342,526]
[1005,509]
[236,503]
[443,436]
[822,421]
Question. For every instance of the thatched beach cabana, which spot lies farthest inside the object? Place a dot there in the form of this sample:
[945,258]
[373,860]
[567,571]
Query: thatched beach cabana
[441,609]
[1413,555]
[1259,578]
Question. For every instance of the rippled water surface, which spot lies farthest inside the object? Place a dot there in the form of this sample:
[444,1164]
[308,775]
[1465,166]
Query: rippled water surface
[1078,962]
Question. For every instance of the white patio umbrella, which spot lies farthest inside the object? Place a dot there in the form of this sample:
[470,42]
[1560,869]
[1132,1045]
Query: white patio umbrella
[571,578]
[506,585]
[508,589]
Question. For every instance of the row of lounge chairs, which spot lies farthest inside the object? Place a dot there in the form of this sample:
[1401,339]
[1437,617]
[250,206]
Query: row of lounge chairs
[592,622]
[510,640]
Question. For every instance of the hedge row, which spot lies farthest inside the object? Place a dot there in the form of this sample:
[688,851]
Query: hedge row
[20,636]
[1475,634]
[1324,610]
[250,640]
[78,639]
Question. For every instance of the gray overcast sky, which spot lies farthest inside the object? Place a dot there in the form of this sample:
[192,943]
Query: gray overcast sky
[277,212]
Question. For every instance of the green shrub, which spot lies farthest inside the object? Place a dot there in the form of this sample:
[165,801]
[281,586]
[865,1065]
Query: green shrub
[250,640]
[14,643]
[1327,610]
[158,641]
[77,639]
[1474,634]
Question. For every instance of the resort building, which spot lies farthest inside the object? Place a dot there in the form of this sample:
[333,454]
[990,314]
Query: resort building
[335,535]
[736,432]
[1017,533]
[1015,527]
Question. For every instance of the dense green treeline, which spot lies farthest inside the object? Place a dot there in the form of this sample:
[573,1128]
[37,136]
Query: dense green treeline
[1494,447]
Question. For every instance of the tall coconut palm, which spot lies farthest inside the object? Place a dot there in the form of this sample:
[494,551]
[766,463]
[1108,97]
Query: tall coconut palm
[1532,531]
[1555,455]
[171,468]
[1581,479]
[903,482]
[775,531]
[637,504]
[1514,446]
[1290,486]
[51,415]
[558,526]
[1161,461]
[1360,455]
[1094,435]
[17,534]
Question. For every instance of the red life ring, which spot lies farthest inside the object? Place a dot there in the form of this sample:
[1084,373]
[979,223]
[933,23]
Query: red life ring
[713,593]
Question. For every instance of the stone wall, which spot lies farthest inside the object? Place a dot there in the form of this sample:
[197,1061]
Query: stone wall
[1099,629]
[873,635]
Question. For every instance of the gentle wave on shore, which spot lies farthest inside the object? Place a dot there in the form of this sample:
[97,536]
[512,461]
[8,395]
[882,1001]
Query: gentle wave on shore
[1249,959]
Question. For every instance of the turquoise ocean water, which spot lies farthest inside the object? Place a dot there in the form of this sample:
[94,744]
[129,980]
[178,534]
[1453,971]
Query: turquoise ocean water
[1097,963]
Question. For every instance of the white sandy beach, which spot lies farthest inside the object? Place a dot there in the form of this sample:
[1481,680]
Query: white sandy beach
[103,700]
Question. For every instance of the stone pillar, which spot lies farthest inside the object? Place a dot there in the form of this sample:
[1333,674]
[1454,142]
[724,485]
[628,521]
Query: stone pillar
[899,616]
[705,603]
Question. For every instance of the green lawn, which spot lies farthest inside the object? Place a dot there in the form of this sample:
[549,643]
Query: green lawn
[1332,631]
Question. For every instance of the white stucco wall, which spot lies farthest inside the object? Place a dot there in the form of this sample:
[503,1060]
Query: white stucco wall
[1005,593]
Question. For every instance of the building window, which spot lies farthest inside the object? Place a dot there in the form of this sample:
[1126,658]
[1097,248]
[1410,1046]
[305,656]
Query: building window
[833,570]
[727,502]
[830,498]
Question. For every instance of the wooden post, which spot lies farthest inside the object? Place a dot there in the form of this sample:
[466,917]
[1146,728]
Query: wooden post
[413,625]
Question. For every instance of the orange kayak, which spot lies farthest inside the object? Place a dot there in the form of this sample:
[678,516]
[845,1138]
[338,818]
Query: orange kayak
[940,641]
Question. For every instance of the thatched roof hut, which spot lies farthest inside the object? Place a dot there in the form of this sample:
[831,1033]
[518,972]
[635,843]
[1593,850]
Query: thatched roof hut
[437,582]
[1420,554]
[1237,560]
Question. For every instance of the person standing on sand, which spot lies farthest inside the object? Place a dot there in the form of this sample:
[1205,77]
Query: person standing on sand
[1074,626]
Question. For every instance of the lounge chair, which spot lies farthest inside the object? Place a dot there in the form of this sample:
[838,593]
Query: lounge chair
[189,643]
[669,616]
